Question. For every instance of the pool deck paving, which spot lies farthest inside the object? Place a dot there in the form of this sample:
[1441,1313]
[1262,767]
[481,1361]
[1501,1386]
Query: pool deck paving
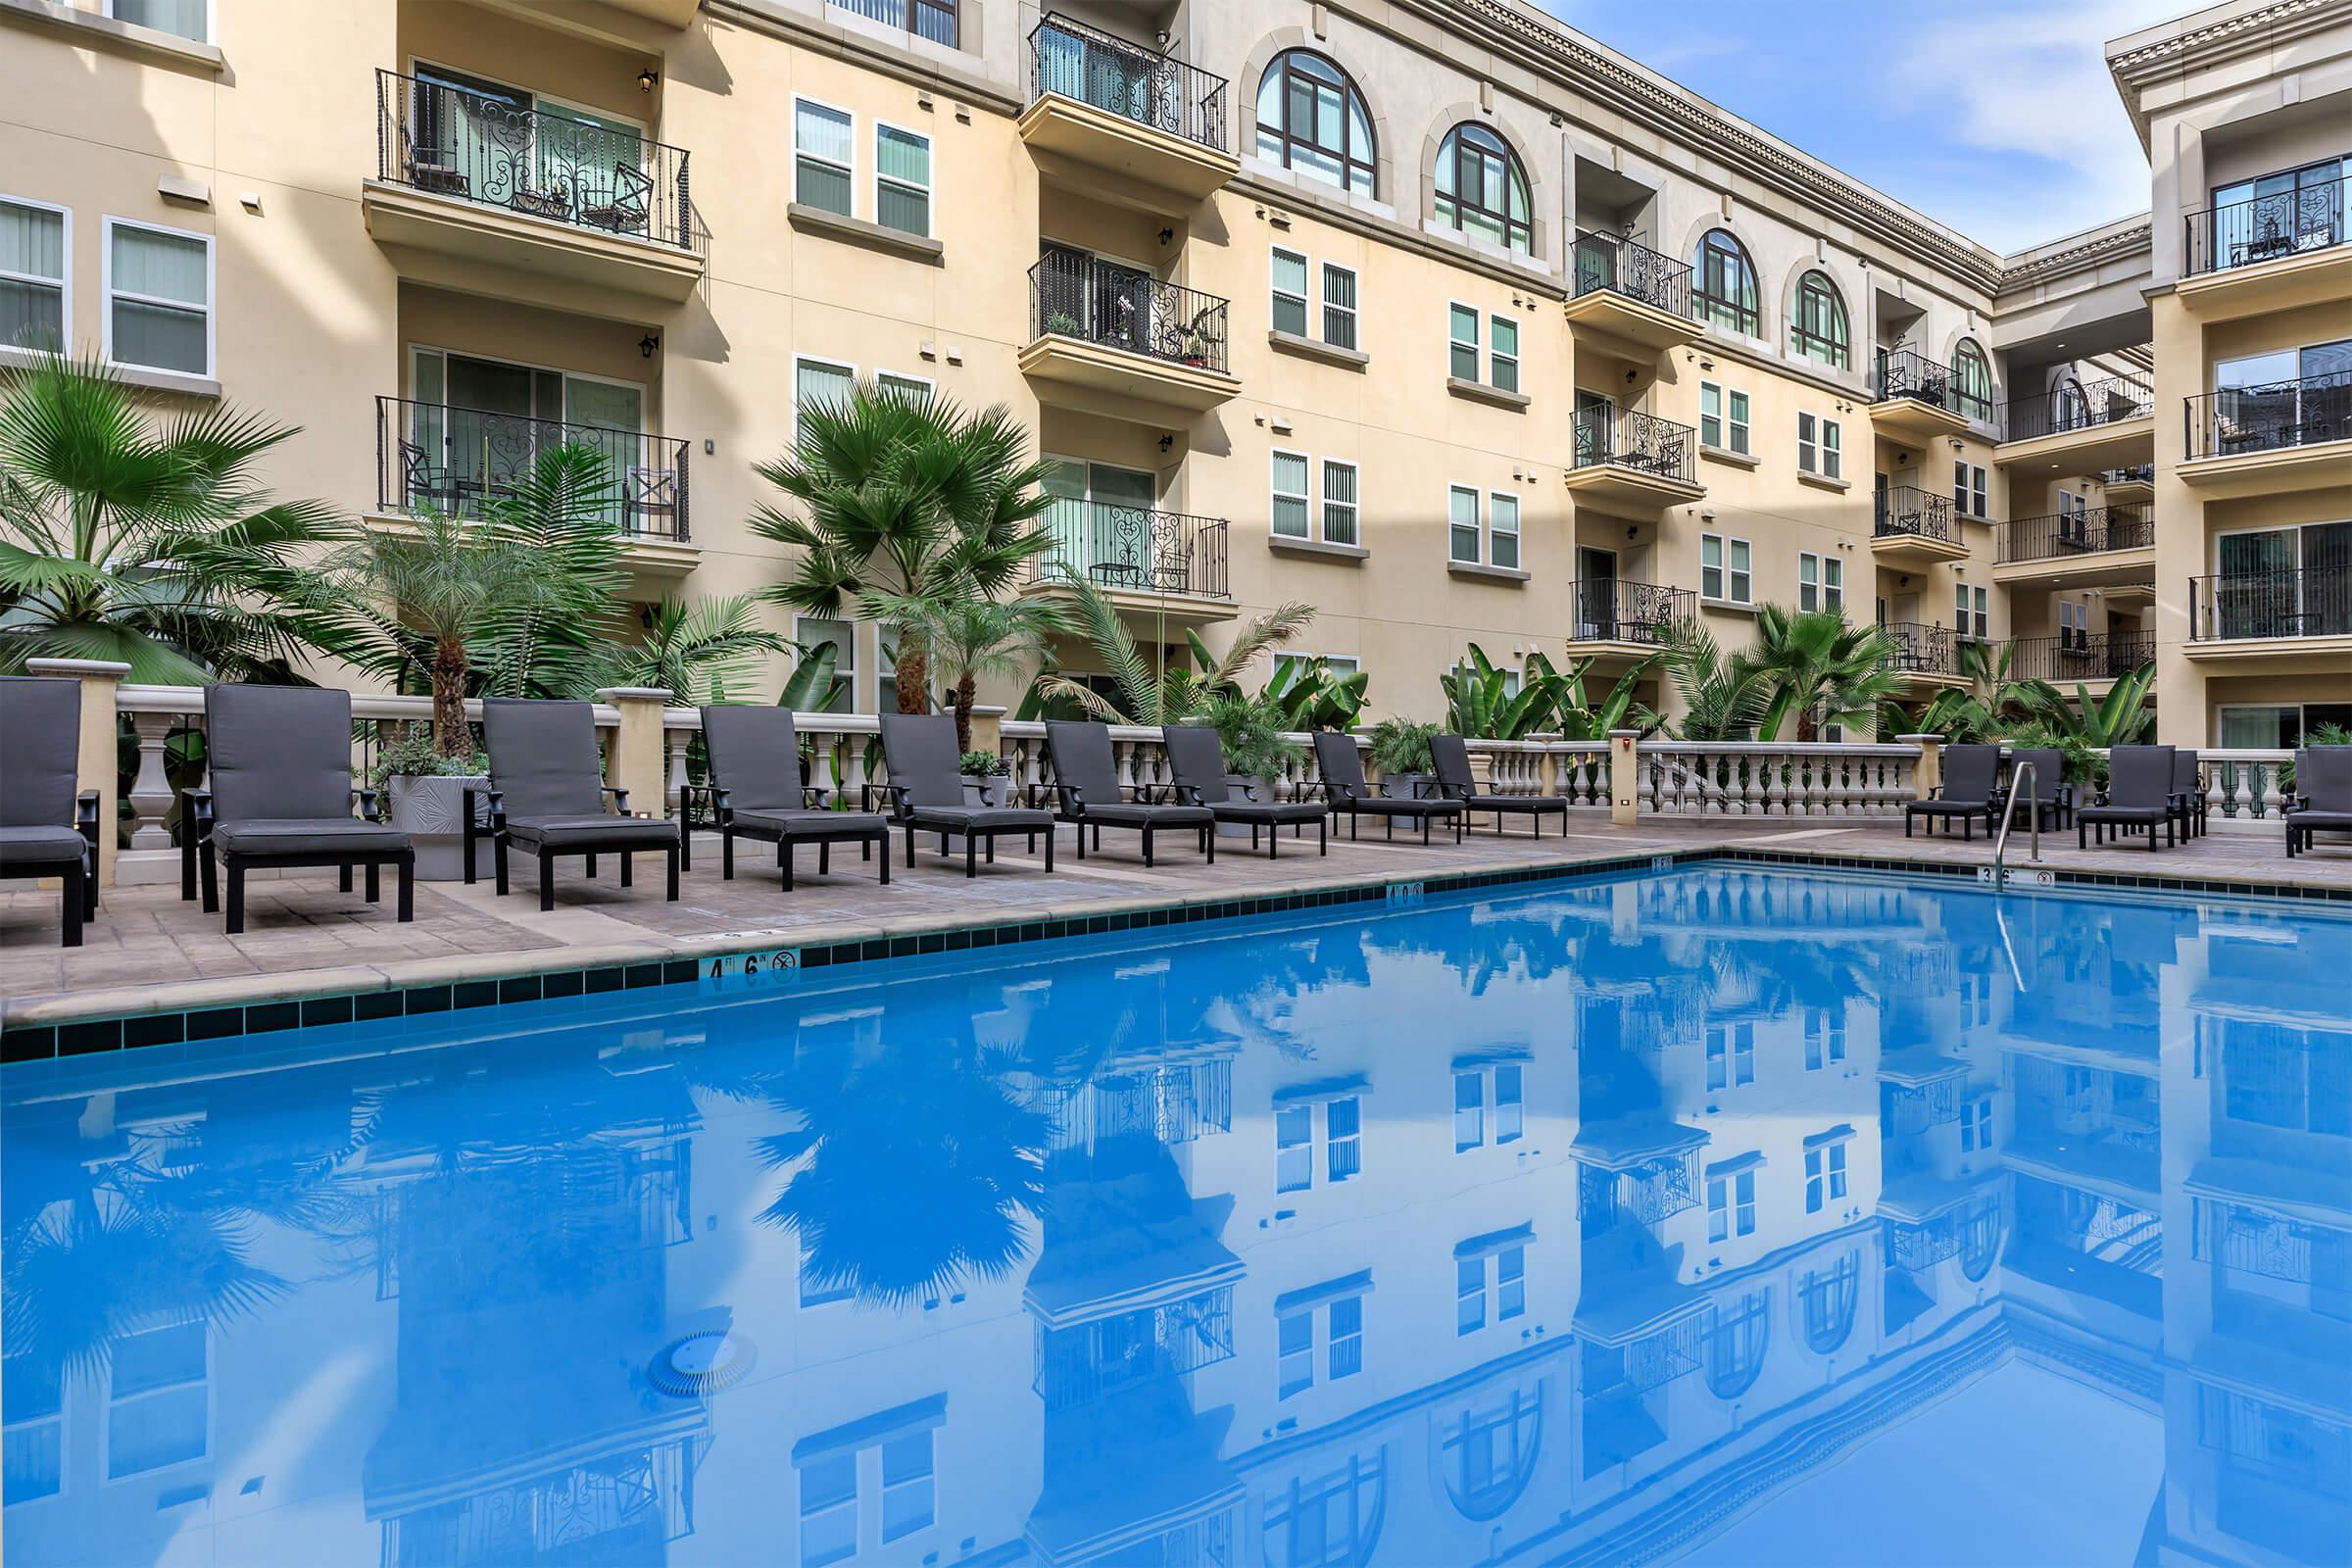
[150,952]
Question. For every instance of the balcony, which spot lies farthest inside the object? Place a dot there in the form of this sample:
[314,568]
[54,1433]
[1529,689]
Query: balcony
[1116,341]
[1145,562]
[1915,528]
[2133,484]
[2278,252]
[2083,426]
[1124,123]
[1631,303]
[432,456]
[1633,465]
[2112,544]
[2290,622]
[1913,399]
[2071,659]
[1923,657]
[466,181]
[2263,440]
[1615,623]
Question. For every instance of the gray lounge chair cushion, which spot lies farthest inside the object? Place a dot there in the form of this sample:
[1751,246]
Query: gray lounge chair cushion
[1970,775]
[2184,772]
[40,757]
[807,822]
[2328,822]
[597,832]
[754,758]
[1399,805]
[1271,812]
[982,818]
[1197,760]
[1343,783]
[2049,771]
[1082,760]
[309,834]
[26,847]
[1527,805]
[2323,776]
[543,758]
[278,754]
[919,752]
[2140,785]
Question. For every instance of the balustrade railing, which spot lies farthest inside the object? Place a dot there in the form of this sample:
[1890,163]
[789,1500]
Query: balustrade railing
[1907,510]
[1129,79]
[1917,649]
[1773,778]
[1615,263]
[1643,443]
[1135,548]
[2060,535]
[2266,228]
[2313,602]
[1905,373]
[2274,417]
[438,457]
[1610,610]
[2080,656]
[2074,405]
[1072,294]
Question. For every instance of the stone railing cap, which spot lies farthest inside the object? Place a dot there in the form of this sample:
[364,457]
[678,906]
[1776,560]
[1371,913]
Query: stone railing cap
[1918,740]
[615,694]
[76,666]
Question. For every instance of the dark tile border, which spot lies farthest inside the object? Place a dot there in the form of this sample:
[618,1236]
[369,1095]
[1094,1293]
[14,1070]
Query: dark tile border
[39,1042]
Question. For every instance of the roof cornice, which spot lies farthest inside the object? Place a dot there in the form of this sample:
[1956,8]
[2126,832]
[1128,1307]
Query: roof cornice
[2090,252]
[2217,42]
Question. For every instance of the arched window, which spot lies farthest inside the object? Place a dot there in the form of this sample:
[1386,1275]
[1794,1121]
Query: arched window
[1972,380]
[1329,1521]
[2070,408]
[1829,1298]
[1979,1241]
[1724,280]
[1818,330]
[1311,119]
[1736,1350]
[1482,190]
[1490,1453]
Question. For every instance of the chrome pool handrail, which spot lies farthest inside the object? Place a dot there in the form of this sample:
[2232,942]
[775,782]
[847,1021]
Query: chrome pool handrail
[2026,773]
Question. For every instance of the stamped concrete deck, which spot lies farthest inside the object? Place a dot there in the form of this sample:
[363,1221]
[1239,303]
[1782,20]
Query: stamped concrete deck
[149,952]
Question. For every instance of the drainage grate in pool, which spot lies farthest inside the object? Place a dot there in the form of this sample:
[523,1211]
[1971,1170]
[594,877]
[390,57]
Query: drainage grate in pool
[703,1363]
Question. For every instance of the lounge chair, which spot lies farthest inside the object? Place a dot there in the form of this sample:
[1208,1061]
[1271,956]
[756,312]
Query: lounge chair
[1086,792]
[1197,762]
[2190,800]
[1343,787]
[1969,791]
[1456,783]
[278,760]
[2140,794]
[757,791]
[2053,796]
[41,720]
[547,793]
[2322,798]
[926,792]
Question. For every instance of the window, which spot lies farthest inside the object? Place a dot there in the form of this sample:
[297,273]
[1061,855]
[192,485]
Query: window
[1825,1176]
[1469,1295]
[1732,1205]
[1817,331]
[1339,305]
[1482,190]
[1971,609]
[1719,1209]
[1503,530]
[1715,428]
[158,1409]
[1502,353]
[1975,1125]
[1829,1299]
[1294,1354]
[1498,1269]
[1832,583]
[1462,338]
[1724,569]
[1342,1138]
[908,1491]
[1311,120]
[1809,444]
[33,249]
[901,180]
[1490,1455]
[1736,1350]
[1339,503]
[1344,1337]
[1509,1111]
[1969,490]
[1808,580]
[1724,283]
[830,1509]
[1972,380]
[1738,422]
[33,1452]
[1833,450]
[1328,1521]
[1290,508]
[813,632]
[1510,1283]
[183,19]
[1290,293]
[1817,447]
[159,297]
[1294,1149]
[1824,1036]
[1461,534]
[816,382]
[1469,1110]
[822,174]
[1977,507]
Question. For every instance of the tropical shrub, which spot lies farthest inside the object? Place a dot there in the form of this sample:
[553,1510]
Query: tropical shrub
[1401,745]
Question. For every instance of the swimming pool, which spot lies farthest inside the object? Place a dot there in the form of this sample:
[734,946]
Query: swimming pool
[1723,1214]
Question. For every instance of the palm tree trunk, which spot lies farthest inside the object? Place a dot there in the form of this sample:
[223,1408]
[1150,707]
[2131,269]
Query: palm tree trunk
[966,690]
[451,738]
[914,688]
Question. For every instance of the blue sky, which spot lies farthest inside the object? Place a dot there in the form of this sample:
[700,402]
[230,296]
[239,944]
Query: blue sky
[1996,117]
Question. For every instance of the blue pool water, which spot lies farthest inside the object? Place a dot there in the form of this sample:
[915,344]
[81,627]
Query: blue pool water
[1725,1215]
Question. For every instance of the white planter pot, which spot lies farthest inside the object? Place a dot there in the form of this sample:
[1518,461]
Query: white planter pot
[430,810]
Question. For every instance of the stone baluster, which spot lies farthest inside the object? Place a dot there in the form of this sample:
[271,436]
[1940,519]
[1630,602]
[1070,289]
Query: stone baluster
[151,789]
[676,742]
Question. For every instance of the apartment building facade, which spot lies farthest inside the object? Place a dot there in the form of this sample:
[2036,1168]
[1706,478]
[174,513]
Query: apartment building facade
[1440,318]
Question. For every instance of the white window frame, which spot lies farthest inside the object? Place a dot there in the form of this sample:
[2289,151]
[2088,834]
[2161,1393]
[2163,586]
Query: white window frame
[1354,509]
[212,297]
[852,623]
[1832,583]
[1478,1077]
[928,1478]
[1980,491]
[1353,313]
[1724,570]
[1306,496]
[1478,524]
[792,434]
[106,1424]
[1833,450]
[1510,1129]
[1736,427]
[1472,343]
[1286,1386]
[212,23]
[930,156]
[851,168]
[1307,286]
[929,384]
[1492,531]
[1287,1149]
[1495,357]
[1960,487]
[1808,580]
[1808,443]
[1705,388]
[63,283]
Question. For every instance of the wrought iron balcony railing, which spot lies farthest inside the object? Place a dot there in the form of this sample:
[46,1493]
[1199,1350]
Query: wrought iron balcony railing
[1085,1361]
[934,20]
[513,154]
[2080,656]
[1906,508]
[1136,549]
[1617,264]
[2078,405]
[1614,610]
[432,456]
[2064,534]
[1072,294]
[2265,228]
[1923,650]
[1903,373]
[2269,417]
[1128,80]
[2135,473]
[2313,602]
[1621,438]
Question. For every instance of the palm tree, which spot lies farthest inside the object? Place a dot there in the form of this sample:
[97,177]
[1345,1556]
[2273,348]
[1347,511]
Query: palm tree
[1723,697]
[1173,695]
[1820,669]
[143,539]
[905,493]
[965,637]
[700,651]
[1991,703]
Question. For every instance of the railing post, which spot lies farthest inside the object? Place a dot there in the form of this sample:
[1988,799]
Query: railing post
[101,682]
[988,728]
[1928,776]
[151,789]
[1624,776]
[639,759]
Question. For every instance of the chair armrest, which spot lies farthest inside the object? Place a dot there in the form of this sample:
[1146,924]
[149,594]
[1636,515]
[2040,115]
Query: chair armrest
[1185,794]
[621,798]
[1069,797]
[85,816]
[370,807]
[816,797]
[494,803]
[197,811]
[895,792]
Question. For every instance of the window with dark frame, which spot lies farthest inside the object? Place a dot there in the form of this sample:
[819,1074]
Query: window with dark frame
[1481,189]
[1311,120]
[1724,283]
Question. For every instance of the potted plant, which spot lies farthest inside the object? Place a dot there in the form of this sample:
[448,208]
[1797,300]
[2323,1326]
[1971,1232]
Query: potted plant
[1199,336]
[1400,754]
[1063,323]
[986,778]
[1257,754]
[424,796]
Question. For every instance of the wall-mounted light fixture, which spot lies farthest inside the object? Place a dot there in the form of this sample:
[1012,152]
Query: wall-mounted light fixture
[1166,441]
[1166,235]
[646,79]
[647,344]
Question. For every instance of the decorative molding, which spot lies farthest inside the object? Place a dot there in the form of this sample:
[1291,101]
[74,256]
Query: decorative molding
[2231,35]
[2095,251]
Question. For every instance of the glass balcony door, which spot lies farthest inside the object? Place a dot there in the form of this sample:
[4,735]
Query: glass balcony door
[1103,520]
[511,147]
[479,424]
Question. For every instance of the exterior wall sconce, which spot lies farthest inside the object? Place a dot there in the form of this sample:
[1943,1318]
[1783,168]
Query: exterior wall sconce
[647,344]
[646,79]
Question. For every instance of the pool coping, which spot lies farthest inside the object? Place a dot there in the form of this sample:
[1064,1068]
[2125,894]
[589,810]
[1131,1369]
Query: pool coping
[202,1010]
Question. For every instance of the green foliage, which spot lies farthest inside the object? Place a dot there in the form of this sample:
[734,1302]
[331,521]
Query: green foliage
[414,756]
[1819,669]
[1250,730]
[814,685]
[967,637]
[1991,704]
[1171,696]
[1307,696]
[1574,720]
[145,539]
[1724,697]
[986,764]
[2328,735]
[700,651]
[1479,705]
[1401,745]
[2124,716]
[2084,764]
